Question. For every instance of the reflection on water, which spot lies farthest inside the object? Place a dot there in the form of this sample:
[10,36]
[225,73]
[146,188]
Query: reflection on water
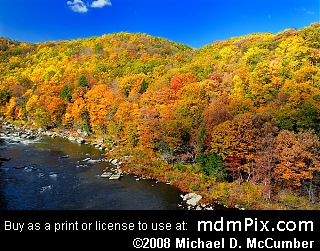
[50,174]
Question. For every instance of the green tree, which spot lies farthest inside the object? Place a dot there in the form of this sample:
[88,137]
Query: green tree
[308,117]
[144,86]
[82,81]
[65,93]
[212,165]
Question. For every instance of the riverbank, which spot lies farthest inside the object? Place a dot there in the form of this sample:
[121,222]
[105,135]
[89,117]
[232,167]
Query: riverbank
[51,173]
[188,178]
[190,200]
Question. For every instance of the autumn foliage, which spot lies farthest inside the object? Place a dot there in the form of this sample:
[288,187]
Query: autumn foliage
[243,110]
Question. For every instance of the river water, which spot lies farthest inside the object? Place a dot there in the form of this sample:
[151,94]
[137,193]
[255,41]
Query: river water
[51,174]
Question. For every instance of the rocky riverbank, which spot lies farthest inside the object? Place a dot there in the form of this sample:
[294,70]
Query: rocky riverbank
[190,201]
[28,132]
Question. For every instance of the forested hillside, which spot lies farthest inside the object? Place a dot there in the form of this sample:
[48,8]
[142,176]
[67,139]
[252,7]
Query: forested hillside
[237,121]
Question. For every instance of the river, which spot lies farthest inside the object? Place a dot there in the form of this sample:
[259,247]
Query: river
[51,174]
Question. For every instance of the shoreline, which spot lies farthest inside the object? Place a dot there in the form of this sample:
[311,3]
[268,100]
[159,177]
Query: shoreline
[191,201]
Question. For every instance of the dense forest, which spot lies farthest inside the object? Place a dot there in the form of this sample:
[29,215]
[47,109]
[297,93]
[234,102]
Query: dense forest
[237,121]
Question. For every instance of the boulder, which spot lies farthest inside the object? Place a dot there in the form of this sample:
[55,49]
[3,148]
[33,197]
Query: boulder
[192,199]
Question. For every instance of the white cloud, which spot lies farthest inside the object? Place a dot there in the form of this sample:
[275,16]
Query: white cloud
[309,12]
[78,6]
[100,3]
[81,7]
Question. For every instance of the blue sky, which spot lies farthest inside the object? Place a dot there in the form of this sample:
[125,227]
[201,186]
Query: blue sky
[192,22]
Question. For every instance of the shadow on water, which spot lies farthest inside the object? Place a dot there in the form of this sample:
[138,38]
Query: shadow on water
[3,205]
[50,173]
